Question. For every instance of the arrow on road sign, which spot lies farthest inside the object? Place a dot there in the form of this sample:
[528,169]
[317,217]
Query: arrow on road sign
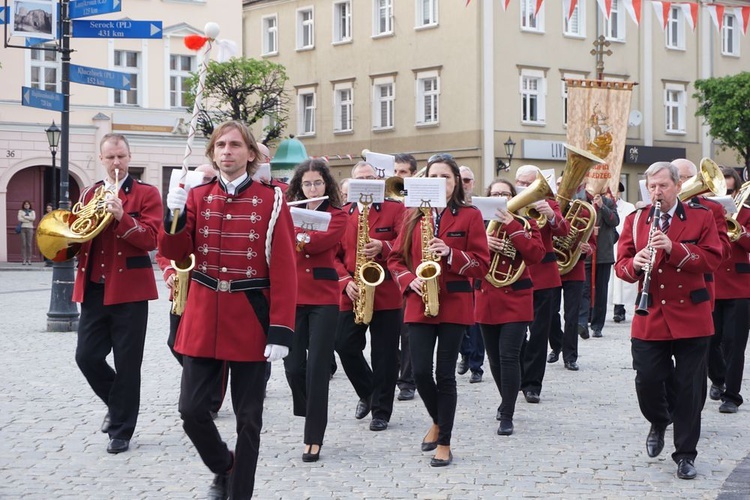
[117,29]
[99,77]
[85,8]
[4,15]
[43,99]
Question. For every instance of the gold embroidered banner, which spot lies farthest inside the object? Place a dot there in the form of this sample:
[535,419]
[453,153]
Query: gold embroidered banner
[598,122]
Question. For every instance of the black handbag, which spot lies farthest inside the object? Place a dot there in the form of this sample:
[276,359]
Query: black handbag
[18,228]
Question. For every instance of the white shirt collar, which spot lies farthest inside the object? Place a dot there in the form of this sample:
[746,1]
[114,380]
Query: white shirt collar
[108,185]
[232,186]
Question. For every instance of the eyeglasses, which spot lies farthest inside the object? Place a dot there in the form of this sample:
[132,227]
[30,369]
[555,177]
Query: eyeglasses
[467,180]
[506,194]
[317,184]
[440,157]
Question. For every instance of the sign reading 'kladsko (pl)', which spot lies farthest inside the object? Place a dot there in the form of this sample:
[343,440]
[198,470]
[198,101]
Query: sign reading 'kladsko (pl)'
[99,77]
[117,29]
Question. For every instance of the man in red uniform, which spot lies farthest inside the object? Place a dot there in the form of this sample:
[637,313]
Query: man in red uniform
[114,282]
[678,324]
[240,308]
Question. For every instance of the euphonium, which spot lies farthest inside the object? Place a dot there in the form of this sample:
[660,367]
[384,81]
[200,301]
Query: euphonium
[394,185]
[735,230]
[708,180]
[429,269]
[367,274]
[61,232]
[505,267]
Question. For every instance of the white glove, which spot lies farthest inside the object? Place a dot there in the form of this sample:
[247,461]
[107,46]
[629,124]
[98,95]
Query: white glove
[176,199]
[275,352]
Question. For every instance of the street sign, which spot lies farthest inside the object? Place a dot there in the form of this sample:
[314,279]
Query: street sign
[43,99]
[85,8]
[117,29]
[30,42]
[4,13]
[99,77]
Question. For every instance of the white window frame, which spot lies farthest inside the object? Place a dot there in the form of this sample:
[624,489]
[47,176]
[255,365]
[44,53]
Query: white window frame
[271,120]
[579,15]
[343,107]
[270,35]
[529,22]
[529,95]
[305,28]
[675,32]
[730,35]
[426,6]
[428,101]
[44,65]
[135,83]
[382,103]
[382,18]
[306,104]
[180,76]
[614,27]
[675,108]
[342,22]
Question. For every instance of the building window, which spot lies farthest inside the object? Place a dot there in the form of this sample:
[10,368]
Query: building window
[342,22]
[305,29]
[180,69]
[426,13]
[676,29]
[529,20]
[533,89]
[343,104]
[383,97]
[306,112]
[675,108]
[383,17]
[575,26]
[730,36]
[45,68]
[614,27]
[428,98]
[128,62]
[270,35]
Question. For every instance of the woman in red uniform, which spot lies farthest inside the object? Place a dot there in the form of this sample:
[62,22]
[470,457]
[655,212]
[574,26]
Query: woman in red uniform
[461,246]
[308,365]
[504,312]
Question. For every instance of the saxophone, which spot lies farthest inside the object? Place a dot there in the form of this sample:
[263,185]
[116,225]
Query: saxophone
[367,274]
[429,269]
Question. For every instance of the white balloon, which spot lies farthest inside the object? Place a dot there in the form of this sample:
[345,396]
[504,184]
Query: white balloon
[211,30]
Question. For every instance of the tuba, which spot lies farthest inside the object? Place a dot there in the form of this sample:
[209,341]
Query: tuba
[429,269]
[367,274]
[568,247]
[735,230]
[506,266]
[61,232]
[708,180]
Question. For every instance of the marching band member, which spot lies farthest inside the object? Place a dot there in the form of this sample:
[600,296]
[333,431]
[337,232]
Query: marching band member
[504,313]
[241,306]
[461,244]
[308,366]
[671,255]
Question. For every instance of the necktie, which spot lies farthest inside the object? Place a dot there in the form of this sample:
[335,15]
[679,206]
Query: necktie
[665,223]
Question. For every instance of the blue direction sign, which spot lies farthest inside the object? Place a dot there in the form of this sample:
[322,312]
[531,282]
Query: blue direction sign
[117,29]
[4,15]
[99,77]
[44,99]
[85,8]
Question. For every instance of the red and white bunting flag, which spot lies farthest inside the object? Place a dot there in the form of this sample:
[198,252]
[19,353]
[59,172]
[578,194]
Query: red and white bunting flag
[538,6]
[691,14]
[717,14]
[662,12]
[634,9]
[467,3]
[505,3]
[570,7]
[743,14]
[606,7]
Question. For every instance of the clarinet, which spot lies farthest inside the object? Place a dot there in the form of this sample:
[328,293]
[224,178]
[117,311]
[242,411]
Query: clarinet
[642,309]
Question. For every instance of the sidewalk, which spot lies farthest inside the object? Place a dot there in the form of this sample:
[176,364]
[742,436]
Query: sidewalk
[586,439]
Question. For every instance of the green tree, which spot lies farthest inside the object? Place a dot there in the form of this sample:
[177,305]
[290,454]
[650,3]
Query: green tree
[724,104]
[242,89]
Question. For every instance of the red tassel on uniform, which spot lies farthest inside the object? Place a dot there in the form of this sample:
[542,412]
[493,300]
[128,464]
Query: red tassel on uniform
[195,42]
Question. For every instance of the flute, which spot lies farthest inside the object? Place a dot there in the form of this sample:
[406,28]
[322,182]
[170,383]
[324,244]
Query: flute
[308,200]
[642,309]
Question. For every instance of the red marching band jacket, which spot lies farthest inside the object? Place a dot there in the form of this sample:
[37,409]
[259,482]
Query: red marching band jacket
[545,274]
[166,270]
[733,275]
[128,272]
[679,305]
[242,295]
[317,276]
[726,246]
[515,302]
[462,229]
[384,221]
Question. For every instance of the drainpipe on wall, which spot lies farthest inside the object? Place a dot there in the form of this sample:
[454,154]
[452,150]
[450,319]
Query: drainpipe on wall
[488,92]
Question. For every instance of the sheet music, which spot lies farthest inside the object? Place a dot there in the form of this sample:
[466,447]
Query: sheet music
[385,165]
[310,220]
[420,190]
[727,202]
[549,176]
[489,205]
[357,187]
[645,195]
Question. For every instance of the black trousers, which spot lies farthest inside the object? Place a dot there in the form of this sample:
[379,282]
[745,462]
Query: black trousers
[439,393]
[472,347]
[221,386]
[565,338]
[406,374]
[726,358]
[199,378]
[652,361]
[378,384]
[308,367]
[120,329]
[534,353]
[596,314]
[503,345]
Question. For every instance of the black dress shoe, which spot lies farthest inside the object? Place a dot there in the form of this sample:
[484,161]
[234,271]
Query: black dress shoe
[429,445]
[655,441]
[439,462]
[572,366]
[506,428]
[378,424]
[715,392]
[583,332]
[686,469]
[597,334]
[476,377]
[406,394]
[553,357]
[118,445]
[363,409]
[219,489]
[531,397]
[463,365]
[106,422]
[728,407]
[619,318]
[312,457]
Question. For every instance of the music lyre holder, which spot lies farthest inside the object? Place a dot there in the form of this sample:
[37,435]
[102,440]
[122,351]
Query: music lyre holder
[366,198]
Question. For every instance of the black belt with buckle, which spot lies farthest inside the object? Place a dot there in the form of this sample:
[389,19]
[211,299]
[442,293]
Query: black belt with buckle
[231,285]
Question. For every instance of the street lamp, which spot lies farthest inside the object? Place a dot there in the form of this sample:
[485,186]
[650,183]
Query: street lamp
[53,138]
[510,147]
